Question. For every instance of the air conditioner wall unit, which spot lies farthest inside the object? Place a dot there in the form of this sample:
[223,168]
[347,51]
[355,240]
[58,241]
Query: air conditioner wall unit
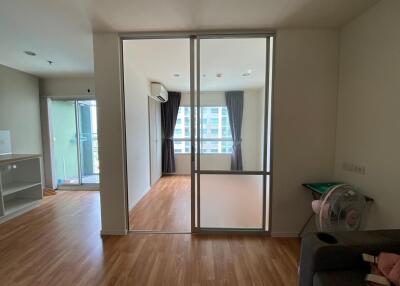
[158,92]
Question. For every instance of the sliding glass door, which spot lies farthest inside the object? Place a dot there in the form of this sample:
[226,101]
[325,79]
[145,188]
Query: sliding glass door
[231,98]
[65,143]
[74,142]
[89,156]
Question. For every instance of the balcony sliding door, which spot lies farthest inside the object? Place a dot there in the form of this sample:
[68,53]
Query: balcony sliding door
[74,141]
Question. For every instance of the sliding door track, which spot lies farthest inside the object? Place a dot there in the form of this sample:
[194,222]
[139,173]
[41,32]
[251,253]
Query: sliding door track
[158,232]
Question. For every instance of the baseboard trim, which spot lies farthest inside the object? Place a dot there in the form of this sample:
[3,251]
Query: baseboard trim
[91,187]
[285,234]
[113,232]
[175,174]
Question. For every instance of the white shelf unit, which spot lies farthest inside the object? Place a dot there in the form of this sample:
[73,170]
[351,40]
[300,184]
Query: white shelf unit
[20,184]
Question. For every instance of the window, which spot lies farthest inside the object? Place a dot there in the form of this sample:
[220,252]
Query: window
[216,137]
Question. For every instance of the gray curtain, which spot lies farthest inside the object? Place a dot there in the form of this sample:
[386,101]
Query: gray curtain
[234,104]
[169,113]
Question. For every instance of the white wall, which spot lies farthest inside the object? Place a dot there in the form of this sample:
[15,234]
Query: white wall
[108,81]
[304,122]
[137,89]
[368,125]
[67,87]
[20,111]
[252,138]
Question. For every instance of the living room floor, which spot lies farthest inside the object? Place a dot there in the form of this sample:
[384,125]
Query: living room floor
[58,243]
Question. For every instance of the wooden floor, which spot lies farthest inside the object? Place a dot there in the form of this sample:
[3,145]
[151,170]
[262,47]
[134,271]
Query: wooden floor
[58,243]
[166,207]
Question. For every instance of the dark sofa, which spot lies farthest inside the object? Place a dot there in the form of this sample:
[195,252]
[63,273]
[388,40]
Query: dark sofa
[335,259]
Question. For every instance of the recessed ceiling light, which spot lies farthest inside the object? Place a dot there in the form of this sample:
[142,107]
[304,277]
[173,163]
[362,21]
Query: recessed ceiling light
[30,53]
[176,75]
[218,75]
[248,73]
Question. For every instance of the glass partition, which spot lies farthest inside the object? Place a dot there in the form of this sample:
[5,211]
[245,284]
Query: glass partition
[233,131]
[232,69]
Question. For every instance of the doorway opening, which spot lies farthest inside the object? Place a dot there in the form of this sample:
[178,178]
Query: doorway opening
[74,142]
[198,132]
[159,194]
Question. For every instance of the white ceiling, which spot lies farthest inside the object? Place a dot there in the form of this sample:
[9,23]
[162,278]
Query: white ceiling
[61,30]
[159,60]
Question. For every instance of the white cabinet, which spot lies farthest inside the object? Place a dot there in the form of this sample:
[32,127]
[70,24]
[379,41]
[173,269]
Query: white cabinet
[20,184]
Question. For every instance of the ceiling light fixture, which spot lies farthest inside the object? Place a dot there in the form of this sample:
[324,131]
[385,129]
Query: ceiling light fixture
[176,75]
[30,53]
[33,54]
[218,75]
[248,73]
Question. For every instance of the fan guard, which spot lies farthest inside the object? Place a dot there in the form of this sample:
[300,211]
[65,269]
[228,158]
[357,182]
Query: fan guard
[340,209]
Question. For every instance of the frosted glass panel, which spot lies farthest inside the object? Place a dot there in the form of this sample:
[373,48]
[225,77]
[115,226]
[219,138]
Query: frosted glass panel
[267,206]
[195,201]
[231,201]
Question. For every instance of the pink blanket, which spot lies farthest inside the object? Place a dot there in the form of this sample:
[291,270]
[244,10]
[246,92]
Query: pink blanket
[385,269]
[389,266]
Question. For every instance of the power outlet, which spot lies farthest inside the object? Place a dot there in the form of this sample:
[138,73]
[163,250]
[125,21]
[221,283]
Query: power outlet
[353,168]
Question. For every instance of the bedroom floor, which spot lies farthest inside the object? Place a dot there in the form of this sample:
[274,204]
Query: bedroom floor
[166,207]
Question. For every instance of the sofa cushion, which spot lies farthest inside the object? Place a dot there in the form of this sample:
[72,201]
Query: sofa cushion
[342,278]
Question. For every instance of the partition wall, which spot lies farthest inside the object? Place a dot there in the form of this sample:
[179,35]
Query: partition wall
[224,125]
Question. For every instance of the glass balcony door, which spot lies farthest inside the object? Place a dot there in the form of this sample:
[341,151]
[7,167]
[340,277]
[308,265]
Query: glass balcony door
[74,140]
[88,148]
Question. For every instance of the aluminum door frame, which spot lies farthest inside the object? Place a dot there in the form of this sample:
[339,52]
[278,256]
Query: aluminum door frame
[193,36]
[195,167]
